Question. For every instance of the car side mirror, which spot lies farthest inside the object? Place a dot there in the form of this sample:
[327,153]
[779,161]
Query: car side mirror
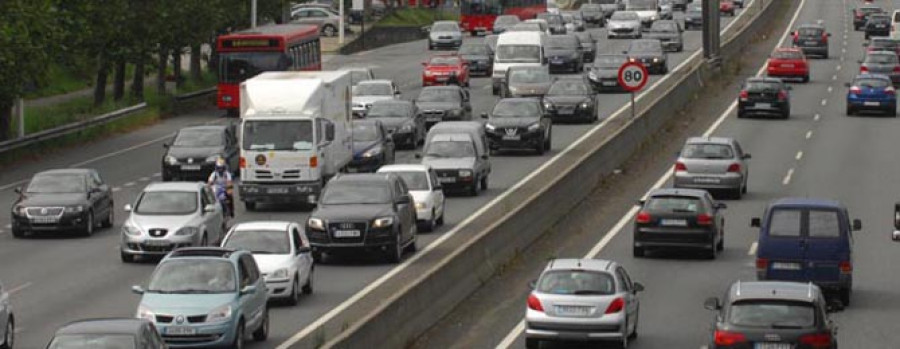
[209,208]
[127,208]
[721,206]
[895,235]
[532,284]
[746,156]
[755,222]
[137,289]
[484,115]
[304,249]
[18,190]
[638,287]
[249,289]
[166,145]
[404,200]
[857,225]
[712,303]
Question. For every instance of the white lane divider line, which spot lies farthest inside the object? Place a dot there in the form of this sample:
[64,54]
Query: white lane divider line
[829,89]
[787,177]
[809,134]
[799,155]
[838,67]
[843,50]
[753,248]
[816,117]
[19,288]
[116,189]
[144,179]
[834,77]
[157,174]
[824,102]
[129,184]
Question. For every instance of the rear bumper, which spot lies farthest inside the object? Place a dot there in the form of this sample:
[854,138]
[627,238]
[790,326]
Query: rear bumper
[607,328]
[178,172]
[814,50]
[370,164]
[753,107]
[655,238]
[869,103]
[66,222]
[795,73]
[711,181]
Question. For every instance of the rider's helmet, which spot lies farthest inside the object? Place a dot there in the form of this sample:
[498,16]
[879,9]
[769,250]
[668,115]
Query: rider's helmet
[220,165]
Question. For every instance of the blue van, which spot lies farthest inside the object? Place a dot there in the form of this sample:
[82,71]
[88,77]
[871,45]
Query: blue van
[807,240]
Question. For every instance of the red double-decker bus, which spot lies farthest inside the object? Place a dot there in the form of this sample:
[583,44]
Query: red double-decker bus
[479,15]
[245,54]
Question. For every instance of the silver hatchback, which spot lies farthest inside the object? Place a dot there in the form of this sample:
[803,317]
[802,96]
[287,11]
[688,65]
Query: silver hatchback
[582,300]
[712,163]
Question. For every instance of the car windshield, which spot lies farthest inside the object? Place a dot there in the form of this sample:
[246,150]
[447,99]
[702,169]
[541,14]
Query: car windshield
[772,314]
[516,109]
[884,43]
[519,53]
[881,58]
[388,110]
[92,341]
[476,49]
[763,86]
[506,20]
[351,192]
[415,180]
[261,135]
[564,42]
[569,88]
[193,275]
[260,241]
[605,61]
[576,282]
[707,151]
[444,27]
[56,183]
[450,149]
[810,32]
[235,67]
[439,95]
[166,203]
[364,132]
[664,27]
[624,16]
[444,61]
[671,203]
[645,46]
[365,89]
[529,76]
[193,138]
[872,83]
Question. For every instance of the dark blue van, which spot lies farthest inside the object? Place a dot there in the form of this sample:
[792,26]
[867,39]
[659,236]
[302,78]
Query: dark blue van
[806,240]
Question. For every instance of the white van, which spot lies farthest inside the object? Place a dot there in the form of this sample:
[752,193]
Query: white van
[516,49]
[895,24]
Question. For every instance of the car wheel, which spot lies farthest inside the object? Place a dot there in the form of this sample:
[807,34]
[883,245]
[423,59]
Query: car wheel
[329,30]
[637,251]
[250,206]
[473,189]
[721,244]
[263,331]
[413,245]
[634,332]
[428,225]
[712,252]
[741,114]
[126,257]
[892,112]
[845,296]
[18,233]
[395,255]
[541,147]
[9,339]
[239,336]
[850,111]
[89,225]
[786,114]
[484,183]
[110,218]
[308,287]
[532,343]
[624,342]
[317,256]
[549,141]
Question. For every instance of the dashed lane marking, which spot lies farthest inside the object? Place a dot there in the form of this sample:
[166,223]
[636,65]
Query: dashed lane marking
[799,155]
[787,177]
[816,117]
[809,134]
[824,102]
[753,247]
[829,89]
[129,184]
[144,179]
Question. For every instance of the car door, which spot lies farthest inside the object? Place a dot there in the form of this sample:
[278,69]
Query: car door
[407,218]
[781,249]
[253,303]
[303,261]
[105,201]
[437,192]
[4,310]
[827,244]
[388,142]
[213,221]
[631,301]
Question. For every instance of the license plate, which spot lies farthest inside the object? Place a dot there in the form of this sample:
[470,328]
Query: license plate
[785,266]
[556,61]
[787,65]
[609,83]
[764,105]
[346,233]
[773,346]
[572,310]
[435,119]
[880,26]
[512,138]
[277,190]
[44,220]
[157,243]
[447,179]
[810,43]
[566,111]
[707,180]
[190,167]
[181,331]
[673,222]
[441,78]
[871,104]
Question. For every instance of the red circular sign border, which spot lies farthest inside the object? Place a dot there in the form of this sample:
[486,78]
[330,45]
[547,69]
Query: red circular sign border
[643,81]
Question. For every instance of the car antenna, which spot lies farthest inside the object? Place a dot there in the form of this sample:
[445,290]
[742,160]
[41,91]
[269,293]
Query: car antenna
[738,292]
[809,290]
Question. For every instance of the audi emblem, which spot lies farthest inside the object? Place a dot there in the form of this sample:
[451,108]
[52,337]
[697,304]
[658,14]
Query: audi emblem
[43,210]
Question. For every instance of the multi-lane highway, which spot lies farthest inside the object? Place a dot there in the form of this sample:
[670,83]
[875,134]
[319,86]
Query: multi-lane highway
[56,279]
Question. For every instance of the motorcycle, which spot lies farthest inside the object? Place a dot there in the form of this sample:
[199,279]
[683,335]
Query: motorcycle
[225,197]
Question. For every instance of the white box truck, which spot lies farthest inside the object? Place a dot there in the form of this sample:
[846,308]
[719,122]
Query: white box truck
[295,135]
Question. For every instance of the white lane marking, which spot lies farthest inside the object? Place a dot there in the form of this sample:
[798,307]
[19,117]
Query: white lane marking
[829,89]
[799,155]
[824,102]
[144,179]
[816,117]
[809,134]
[129,184]
[9,226]
[834,77]
[845,42]
[843,50]
[157,174]
[838,67]
[787,177]
[753,248]
[19,330]
[2,231]
[19,288]
[116,189]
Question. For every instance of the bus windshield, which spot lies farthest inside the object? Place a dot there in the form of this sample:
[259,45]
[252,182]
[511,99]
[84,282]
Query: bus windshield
[519,53]
[235,67]
[642,5]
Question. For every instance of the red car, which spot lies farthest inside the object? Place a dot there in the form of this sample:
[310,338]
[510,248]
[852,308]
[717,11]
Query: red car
[726,6]
[789,63]
[440,70]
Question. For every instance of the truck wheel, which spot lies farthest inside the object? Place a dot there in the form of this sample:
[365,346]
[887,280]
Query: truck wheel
[250,206]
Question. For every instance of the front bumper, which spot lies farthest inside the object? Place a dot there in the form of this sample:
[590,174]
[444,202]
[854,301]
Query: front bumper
[562,113]
[279,289]
[370,239]
[188,172]
[708,181]
[451,180]
[671,45]
[498,139]
[218,335]
[366,164]
[284,193]
[623,32]
[480,67]
[63,223]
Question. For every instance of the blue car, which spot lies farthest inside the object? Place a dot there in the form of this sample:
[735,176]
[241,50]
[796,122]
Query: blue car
[206,297]
[807,240]
[871,92]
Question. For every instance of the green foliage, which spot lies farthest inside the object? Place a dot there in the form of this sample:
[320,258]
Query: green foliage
[416,17]
[27,36]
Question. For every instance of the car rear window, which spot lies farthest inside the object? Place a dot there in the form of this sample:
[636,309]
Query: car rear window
[885,43]
[810,31]
[824,224]
[787,55]
[870,10]
[872,83]
[707,151]
[772,314]
[785,223]
[578,282]
[673,203]
[881,58]
[762,86]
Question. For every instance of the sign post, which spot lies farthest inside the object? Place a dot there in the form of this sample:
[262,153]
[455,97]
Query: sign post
[633,77]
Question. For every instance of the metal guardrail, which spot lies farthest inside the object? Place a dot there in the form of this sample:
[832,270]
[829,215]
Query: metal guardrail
[70,128]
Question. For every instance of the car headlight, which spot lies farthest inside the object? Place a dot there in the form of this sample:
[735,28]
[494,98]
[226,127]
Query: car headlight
[19,210]
[171,160]
[382,222]
[220,314]
[592,75]
[187,231]
[316,223]
[489,127]
[129,229]
[455,112]
[145,313]
[428,73]
[534,127]
[585,105]
[213,158]
[279,274]
[421,206]
[375,151]
[465,173]
[656,60]
[548,105]
[74,209]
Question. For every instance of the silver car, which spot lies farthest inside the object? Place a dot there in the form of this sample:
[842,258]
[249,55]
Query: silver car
[882,62]
[445,34]
[325,18]
[282,252]
[369,91]
[582,299]
[171,215]
[624,24]
[7,321]
[712,163]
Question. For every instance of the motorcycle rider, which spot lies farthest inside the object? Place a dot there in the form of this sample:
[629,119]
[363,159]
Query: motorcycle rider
[222,184]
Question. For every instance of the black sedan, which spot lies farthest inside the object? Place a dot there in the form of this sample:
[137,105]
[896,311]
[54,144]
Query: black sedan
[372,146]
[63,200]
[444,103]
[401,119]
[571,100]
[518,123]
[764,96]
[588,45]
[877,25]
[861,15]
[679,219]
[192,154]
[108,333]
[479,56]
[604,74]
[650,53]
[564,53]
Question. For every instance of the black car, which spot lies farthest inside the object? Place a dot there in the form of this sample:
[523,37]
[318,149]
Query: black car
[555,22]
[108,333]
[588,46]
[526,81]
[504,22]
[680,5]
[679,219]
[764,96]
[861,15]
[668,32]
[650,53]
[401,119]
[192,154]
[63,200]
[878,25]
[771,314]
[372,212]
[604,74]
[372,146]
[479,56]
[812,39]
[518,123]
[593,14]
[570,100]
[564,53]
[693,17]
[444,103]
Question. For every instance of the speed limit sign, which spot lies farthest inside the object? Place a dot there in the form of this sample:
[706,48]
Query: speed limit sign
[633,76]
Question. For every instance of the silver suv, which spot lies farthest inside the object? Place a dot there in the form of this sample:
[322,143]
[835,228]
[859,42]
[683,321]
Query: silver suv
[712,163]
[588,299]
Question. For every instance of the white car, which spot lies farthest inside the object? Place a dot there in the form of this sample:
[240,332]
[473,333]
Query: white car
[170,215]
[7,321]
[282,252]
[426,191]
[367,92]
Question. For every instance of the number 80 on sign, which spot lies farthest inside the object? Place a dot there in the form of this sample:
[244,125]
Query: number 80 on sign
[633,76]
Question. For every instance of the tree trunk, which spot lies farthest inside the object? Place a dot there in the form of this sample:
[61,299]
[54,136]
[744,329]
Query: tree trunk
[119,80]
[176,67]
[161,71]
[100,86]
[5,118]
[196,54]
[137,85]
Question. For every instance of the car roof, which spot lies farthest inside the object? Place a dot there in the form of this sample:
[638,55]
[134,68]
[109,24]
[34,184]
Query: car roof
[677,192]
[174,186]
[773,290]
[376,81]
[872,76]
[362,177]
[219,253]
[445,22]
[519,99]
[452,137]
[709,140]
[103,326]
[263,225]
[807,202]
[764,79]
[587,264]
[787,49]
[404,168]
[80,171]
[529,67]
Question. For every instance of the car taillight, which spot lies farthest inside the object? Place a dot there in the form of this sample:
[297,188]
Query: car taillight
[704,219]
[735,167]
[744,95]
[642,217]
[897,69]
[782,95]
[242,163]
[729,338]
[679,166]
[816,340]
[534,303]
[855,90]
[616,306]
[313,161]
[762,263]
[825,37]
[863,69]
[796,38]
[890,90]
[846,267]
